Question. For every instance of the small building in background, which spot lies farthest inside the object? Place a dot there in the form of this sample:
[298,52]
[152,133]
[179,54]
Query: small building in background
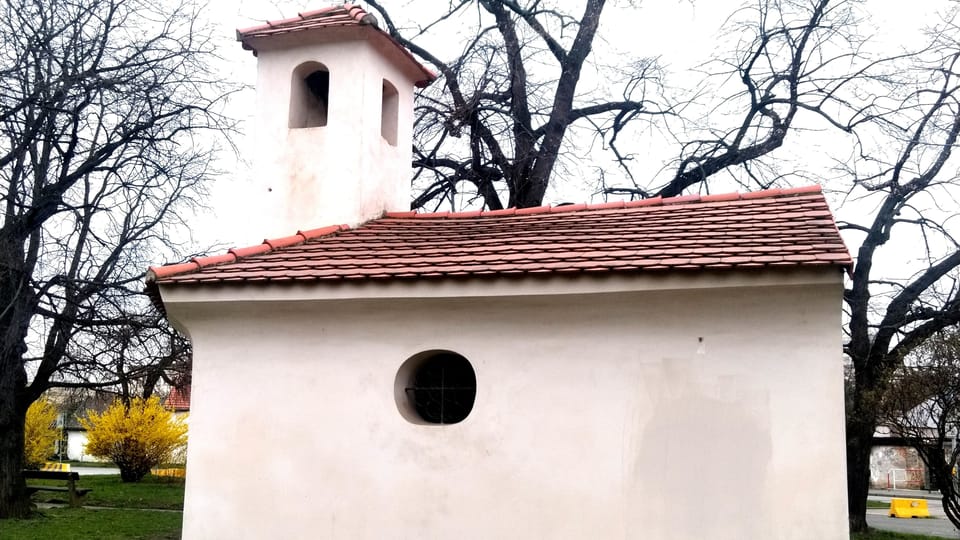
[71,406]
[178,400]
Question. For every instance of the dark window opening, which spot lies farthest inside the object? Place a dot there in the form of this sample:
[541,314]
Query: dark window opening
[318,83]
[443,388]
[310,96]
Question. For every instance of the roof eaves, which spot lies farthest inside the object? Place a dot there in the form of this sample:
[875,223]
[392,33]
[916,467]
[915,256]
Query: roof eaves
[157,273]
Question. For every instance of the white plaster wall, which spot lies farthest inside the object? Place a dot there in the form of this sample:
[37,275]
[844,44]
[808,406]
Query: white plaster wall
[898,466]
[344,172]
[77,447]
[597,416]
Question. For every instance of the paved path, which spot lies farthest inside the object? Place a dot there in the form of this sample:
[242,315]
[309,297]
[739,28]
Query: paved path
[48,505]
[878,519]
[937,525]
[87,471]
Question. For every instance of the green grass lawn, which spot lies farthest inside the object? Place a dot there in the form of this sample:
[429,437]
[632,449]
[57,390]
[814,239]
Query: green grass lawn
[129,519]
[877,504]
[90,463]
[108,490]
[108,524]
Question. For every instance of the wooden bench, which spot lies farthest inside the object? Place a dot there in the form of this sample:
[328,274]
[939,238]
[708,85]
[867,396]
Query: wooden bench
[71,479]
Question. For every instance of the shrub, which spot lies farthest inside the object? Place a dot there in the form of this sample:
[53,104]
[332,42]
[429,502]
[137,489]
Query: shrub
[135,437]
[39,433]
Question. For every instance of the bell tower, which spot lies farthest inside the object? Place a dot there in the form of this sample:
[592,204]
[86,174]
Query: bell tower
[333,122]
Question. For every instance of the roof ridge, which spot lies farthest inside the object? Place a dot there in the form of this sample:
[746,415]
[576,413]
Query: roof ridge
[234,254]
[355,12]
[348,14]
[772,193]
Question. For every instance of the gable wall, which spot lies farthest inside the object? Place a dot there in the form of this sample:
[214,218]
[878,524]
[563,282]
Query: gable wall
[597,416]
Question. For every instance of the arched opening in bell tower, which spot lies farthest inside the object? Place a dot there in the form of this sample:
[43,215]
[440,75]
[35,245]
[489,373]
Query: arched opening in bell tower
[309,96]
[389,109]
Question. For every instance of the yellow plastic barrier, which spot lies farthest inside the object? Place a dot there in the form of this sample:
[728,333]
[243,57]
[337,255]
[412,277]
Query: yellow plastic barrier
[909,508]
[50,466]
[176,473]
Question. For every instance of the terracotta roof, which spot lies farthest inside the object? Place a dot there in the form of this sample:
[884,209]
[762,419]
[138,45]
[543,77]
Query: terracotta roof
[773,228]
[178,399]
[328,17]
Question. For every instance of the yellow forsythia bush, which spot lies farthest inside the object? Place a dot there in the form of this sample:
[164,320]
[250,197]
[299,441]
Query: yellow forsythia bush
[135,438]
[39,433]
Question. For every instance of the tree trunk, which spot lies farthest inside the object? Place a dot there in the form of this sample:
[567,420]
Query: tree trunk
[859,444]
[943,479]
[132,474]
[14,501]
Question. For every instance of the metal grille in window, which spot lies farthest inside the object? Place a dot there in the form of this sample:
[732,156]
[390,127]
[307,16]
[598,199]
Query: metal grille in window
[443,389]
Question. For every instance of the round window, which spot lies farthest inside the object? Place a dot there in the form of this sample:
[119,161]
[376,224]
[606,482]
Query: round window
[438,387]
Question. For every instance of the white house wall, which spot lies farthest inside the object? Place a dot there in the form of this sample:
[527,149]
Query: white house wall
[77,446]
[713,413]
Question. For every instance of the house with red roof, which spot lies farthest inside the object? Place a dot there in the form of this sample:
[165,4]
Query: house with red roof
[178,401]
[665,368]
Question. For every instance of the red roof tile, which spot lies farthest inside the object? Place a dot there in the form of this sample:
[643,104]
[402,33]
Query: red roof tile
[328,17]
[681,233]
[178,400]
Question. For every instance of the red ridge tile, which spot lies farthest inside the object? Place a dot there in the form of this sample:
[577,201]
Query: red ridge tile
[765,194]
[722,197]
[250,250]
[606,205]
[813,188]
[568,208]
[161,272]
[214,259]
[286,241]
[682,199]
[652,201]
[322,231]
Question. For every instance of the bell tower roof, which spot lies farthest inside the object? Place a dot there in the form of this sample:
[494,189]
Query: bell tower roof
[323,20]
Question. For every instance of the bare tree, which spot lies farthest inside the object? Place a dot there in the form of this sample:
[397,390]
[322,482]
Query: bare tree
[793,66]
[791,58]
[107,113]
[136,357]
[495,123]
[922,407]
